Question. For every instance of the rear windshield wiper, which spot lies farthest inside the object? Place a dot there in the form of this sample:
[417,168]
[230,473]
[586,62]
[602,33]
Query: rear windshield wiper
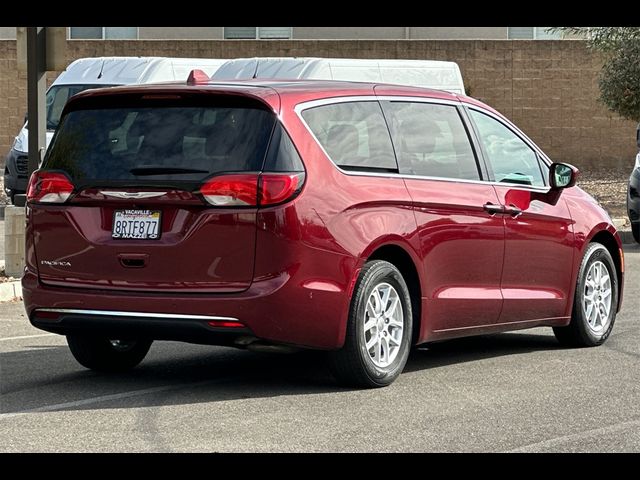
[159,170]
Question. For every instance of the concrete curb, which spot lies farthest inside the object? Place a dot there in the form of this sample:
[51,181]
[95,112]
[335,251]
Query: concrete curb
[10,291]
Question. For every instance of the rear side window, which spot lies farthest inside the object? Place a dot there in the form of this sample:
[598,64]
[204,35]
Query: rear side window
[176,143]
[354,135]
[431,140]
[282,155]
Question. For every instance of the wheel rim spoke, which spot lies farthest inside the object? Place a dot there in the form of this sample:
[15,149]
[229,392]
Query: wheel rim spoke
[392,308]
[371,309]
[369,324]
[395,323]
[385,299]
[378,301]
[371,343]
[393,342]
[589,311]
[384,350]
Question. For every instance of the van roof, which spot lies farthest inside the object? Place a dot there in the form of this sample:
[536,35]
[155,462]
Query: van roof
[439,74]
[125,70]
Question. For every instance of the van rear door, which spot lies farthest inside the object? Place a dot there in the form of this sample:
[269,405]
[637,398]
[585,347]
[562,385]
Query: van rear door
[159,193]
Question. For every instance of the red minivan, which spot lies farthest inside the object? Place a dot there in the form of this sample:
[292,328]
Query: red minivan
[356,218]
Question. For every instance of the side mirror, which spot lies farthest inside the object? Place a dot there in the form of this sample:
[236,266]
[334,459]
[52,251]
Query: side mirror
[562,175]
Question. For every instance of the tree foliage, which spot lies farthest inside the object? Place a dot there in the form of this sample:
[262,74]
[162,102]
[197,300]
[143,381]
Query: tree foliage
[620,76]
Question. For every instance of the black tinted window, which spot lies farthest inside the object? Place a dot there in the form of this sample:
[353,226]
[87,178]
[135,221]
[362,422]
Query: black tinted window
[282,156]
[163,143]
[354,135]
[431,140]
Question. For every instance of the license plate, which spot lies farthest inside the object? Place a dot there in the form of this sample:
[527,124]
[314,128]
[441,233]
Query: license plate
[138,224]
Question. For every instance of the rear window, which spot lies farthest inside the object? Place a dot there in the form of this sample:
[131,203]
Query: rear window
[157,144]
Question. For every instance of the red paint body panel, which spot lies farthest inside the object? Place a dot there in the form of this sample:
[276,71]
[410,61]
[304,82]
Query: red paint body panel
[462,249]
[539,255]
[287,272]
[178,261]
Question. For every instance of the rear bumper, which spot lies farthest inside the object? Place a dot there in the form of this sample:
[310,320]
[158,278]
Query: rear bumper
[185,328]
[286,308]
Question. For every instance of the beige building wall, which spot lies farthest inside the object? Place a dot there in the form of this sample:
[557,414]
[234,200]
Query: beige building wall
[349,33]
[180,33]
[459,33]
[400,33]
[7,33]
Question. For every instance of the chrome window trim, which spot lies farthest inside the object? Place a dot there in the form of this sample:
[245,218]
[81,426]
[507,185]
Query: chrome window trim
[112,313]
[301,107]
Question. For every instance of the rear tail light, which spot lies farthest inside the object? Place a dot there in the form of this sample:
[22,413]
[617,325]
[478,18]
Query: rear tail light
[49,187]
[252,190]
[232,190]
[279,187]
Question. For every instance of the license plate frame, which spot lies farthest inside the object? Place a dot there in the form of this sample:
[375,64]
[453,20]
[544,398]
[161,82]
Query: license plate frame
[131,215]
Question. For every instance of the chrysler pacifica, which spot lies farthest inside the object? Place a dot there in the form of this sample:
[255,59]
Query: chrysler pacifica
[359,219]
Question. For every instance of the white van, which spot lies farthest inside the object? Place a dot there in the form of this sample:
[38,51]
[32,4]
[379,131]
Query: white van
[87,73]
[418,73]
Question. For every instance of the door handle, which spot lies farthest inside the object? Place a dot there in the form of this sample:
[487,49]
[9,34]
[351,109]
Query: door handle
[492,209]
[513,210]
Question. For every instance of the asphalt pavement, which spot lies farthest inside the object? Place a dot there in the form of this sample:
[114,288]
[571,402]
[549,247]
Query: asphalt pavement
[517,392]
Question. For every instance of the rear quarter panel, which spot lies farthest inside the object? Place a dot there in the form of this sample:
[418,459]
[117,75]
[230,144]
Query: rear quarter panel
[340,220]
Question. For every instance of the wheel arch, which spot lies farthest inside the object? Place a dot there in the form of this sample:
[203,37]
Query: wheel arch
[609,240]
[403,261]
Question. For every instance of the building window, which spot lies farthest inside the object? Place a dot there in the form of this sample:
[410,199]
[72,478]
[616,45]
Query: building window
[533,33]
[103,33]
[252,33]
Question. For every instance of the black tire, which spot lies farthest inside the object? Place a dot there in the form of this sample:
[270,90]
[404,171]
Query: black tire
[104,355]
[635,230]
[578,333]
[353,365]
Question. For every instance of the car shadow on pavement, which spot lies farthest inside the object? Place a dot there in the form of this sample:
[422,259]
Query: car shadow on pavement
[47,378]
[469,349]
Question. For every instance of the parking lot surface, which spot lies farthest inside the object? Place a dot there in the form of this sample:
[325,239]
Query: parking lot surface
[510,392]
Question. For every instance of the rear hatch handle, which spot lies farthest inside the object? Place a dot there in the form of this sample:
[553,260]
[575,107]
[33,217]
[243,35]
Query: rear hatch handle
[133,260]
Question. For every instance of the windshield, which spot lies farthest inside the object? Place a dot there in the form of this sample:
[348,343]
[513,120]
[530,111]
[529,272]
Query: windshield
[159,144]
[57,97]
